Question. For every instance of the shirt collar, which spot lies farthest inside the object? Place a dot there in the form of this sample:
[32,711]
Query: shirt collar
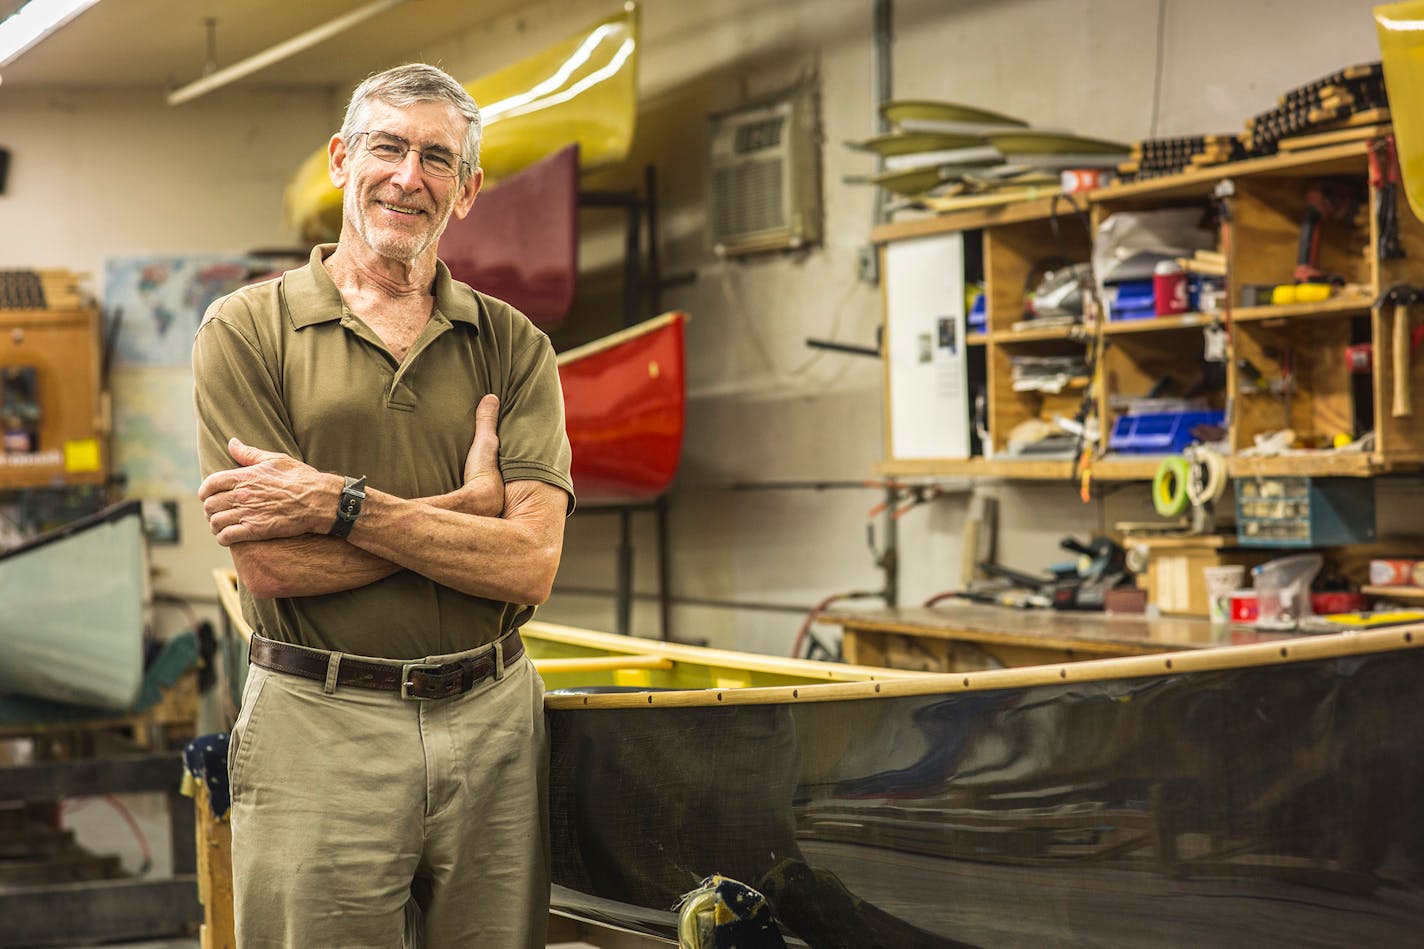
[311,296]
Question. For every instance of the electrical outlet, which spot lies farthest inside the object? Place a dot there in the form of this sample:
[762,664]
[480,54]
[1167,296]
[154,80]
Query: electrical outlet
[867,264]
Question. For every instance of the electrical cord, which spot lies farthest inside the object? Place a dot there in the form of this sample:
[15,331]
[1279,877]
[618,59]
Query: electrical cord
[798,643]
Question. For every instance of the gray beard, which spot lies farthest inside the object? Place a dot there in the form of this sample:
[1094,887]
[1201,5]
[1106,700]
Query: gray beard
[397,248]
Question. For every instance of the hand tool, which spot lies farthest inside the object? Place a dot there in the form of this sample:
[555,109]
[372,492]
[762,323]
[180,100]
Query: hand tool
[1401,296]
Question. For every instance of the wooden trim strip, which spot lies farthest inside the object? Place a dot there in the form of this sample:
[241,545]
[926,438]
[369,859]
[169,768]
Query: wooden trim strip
[226,580]
[600,664]
[702,656]
[622,336]
[1303,649]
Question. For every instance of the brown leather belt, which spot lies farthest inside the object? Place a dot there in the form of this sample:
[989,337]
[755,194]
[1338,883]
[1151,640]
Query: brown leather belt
[413,680]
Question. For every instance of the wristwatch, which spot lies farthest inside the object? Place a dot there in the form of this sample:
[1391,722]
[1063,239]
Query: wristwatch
[348,506]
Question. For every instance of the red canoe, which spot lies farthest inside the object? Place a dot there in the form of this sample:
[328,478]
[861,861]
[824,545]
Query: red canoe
[625,398]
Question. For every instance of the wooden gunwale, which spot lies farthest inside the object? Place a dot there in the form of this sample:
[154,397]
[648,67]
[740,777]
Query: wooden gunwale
[620,337]
[1303,649]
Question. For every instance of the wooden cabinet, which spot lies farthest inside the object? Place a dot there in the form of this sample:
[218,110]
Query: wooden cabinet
[1297,349]
[55,430]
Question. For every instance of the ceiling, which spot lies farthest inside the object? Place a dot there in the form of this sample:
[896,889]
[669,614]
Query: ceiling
[163,43]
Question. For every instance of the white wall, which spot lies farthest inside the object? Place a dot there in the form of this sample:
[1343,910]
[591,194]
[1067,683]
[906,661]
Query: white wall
[208,179]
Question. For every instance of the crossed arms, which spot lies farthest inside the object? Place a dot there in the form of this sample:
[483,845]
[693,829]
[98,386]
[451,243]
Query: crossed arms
[485,538]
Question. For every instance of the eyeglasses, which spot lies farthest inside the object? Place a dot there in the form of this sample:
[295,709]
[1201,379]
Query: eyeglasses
[435,160]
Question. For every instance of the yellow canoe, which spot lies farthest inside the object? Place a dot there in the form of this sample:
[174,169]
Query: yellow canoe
[1401,38]
[580,90]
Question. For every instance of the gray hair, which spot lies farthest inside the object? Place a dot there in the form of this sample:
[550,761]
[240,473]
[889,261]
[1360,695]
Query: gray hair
[407,85]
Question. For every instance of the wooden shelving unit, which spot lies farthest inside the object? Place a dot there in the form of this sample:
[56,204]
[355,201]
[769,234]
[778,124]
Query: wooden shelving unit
[1298,347]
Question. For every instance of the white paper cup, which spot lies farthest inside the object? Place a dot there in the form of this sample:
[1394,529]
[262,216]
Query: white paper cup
[1221,582]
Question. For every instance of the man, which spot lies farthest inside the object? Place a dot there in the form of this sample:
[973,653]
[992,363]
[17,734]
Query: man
[347,427]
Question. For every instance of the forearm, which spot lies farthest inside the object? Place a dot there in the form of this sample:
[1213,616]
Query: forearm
[511,558]
[317,564]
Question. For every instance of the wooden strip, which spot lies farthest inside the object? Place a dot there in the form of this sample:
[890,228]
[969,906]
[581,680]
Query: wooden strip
[601,664]
[226,580]
[701,655]
[1303,649]
[1350,133]
[620,337]
[214,840]
[964,220]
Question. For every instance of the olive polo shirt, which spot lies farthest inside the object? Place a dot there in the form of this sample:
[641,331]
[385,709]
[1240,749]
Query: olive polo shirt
[285,366]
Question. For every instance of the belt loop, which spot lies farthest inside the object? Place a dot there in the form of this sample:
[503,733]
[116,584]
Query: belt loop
[333,668]
[498,659]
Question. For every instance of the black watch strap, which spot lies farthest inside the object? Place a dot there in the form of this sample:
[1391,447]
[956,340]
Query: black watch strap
[348,506]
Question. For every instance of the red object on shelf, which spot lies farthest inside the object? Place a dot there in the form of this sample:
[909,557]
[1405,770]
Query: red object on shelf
[1244,607]
[625,403]
[1338,601]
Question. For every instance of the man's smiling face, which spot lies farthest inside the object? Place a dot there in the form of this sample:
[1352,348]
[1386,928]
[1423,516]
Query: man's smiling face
[397,208]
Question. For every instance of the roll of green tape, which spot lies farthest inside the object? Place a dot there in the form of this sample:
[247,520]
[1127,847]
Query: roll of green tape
[1169,487]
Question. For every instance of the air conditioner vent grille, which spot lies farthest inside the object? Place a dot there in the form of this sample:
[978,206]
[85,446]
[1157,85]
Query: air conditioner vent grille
[748,198]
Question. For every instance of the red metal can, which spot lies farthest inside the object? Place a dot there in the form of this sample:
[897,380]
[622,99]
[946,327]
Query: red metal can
[1169,288]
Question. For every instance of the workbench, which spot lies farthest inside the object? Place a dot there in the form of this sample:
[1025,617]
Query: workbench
[960,636]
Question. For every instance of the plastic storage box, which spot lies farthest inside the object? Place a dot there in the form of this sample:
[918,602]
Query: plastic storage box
[1304,512]
[1159,433]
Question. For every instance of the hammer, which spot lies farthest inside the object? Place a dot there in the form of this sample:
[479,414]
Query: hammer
[1401,295]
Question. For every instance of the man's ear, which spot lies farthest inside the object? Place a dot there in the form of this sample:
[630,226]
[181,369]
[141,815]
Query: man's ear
[338,157]
[469,190]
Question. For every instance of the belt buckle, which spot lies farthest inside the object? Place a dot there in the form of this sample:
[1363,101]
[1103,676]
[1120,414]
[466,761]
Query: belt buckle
[451,674]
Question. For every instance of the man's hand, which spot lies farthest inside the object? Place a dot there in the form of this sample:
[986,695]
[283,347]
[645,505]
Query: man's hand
[271,496]
[483,491]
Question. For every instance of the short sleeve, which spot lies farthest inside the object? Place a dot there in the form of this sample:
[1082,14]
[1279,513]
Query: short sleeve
[533,444]
[235,388]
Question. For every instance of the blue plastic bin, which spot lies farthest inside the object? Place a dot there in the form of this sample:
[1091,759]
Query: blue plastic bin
[1163,433]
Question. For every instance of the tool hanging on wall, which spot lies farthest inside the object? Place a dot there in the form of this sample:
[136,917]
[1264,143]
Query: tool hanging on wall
[1326,200]
[1400,298]
[1384,178]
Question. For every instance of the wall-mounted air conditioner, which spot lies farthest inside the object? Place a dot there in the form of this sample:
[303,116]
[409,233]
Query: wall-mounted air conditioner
[764,175]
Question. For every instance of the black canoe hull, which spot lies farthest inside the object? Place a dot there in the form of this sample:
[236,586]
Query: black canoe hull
[1264,805]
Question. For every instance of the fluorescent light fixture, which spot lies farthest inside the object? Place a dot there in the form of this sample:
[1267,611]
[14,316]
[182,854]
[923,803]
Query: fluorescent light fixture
[283,50]
[33,22]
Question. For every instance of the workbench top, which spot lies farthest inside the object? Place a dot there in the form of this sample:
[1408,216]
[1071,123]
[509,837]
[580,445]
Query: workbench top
[1078,631]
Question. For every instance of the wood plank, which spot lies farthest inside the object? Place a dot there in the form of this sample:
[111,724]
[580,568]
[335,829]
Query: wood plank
[1350,133]
[964,221]
[1341,305]
[1159,324]
[601,664]
[104,911]
[214,873]
[53,780]
[1343,159]
[1317,464]
[1036,335]
[1397,593]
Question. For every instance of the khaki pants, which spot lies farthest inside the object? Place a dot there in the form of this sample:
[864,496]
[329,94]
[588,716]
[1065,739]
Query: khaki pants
[361,819]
